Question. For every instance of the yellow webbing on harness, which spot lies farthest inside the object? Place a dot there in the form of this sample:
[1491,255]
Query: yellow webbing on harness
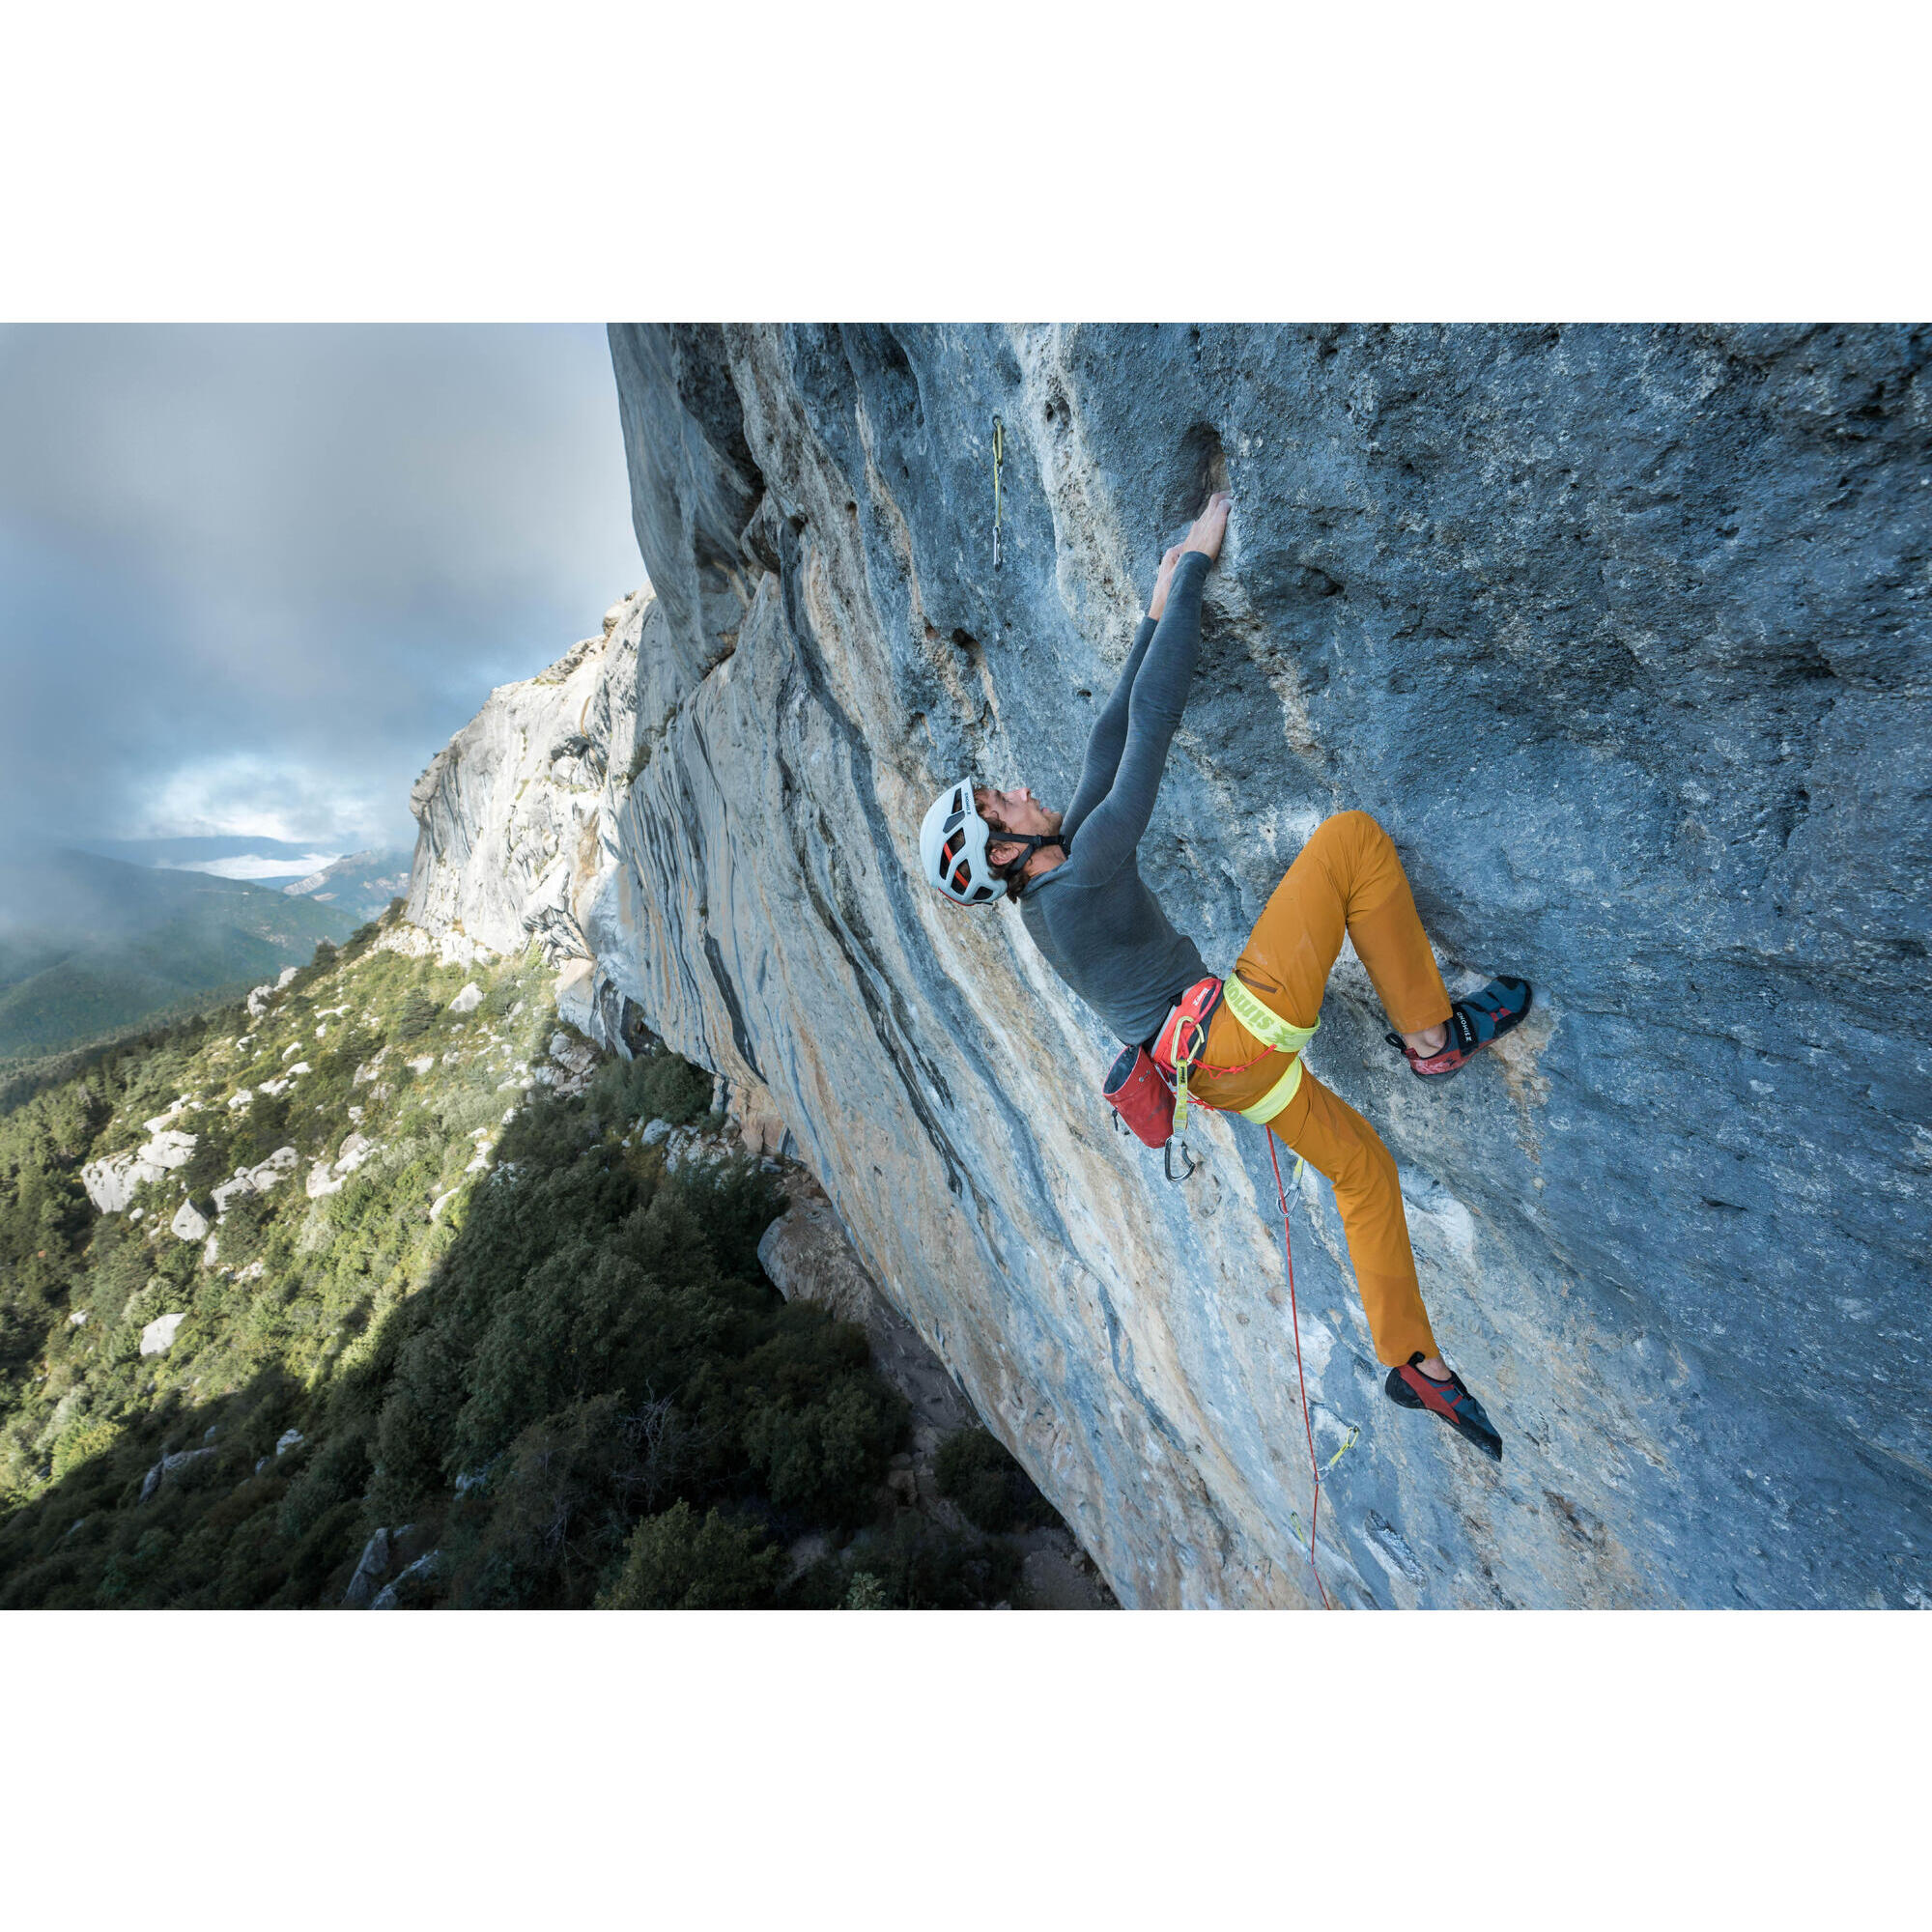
[1271,1030]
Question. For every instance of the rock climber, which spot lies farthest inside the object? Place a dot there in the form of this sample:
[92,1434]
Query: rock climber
[1090,914]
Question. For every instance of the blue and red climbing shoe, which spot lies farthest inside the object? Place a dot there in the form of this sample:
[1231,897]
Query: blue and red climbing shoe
[1474,1023]
[1411,1388]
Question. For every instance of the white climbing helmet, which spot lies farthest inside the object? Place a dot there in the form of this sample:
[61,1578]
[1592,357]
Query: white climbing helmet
[952,848]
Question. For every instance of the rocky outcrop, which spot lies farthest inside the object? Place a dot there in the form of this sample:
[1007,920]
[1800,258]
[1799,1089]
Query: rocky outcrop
[1620,632]
[179,1468]
[110,1182]
[256,1179]
[326,1177]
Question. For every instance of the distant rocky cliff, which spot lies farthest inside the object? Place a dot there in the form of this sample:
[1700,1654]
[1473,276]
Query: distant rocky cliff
[1621,632]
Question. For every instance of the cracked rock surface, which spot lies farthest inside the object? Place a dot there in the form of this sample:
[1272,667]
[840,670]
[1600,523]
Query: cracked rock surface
[1620,632]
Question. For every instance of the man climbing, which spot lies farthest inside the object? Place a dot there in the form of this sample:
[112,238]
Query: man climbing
[1235,1042]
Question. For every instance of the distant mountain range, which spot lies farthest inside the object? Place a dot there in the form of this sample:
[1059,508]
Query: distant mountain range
[92,946]
[363,883]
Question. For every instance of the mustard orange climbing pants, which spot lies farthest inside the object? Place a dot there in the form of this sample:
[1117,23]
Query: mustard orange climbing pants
[1346,879]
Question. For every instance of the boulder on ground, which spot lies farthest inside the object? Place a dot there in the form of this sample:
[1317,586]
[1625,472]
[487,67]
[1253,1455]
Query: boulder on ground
[576,993]
[238,1184]
[571,1063]
[369,1573]
[469,1000]
[110,1182]
[158,1336]
[272,1171]
[189,1223]
[172,1468]
[409,1587]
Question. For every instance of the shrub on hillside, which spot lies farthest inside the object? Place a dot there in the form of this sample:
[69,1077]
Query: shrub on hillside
[818,1425]
[915,1565]
[992,1491]
[416,1015]
[655,1086]
[558,1505]
[676,1562]
[587,1341]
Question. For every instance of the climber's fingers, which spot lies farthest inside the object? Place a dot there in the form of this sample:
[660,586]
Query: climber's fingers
[1210,525]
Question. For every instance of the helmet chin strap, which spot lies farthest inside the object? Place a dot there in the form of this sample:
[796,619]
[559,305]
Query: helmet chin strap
[1030,842]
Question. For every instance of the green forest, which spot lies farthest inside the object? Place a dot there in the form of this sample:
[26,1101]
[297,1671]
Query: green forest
[393,1285]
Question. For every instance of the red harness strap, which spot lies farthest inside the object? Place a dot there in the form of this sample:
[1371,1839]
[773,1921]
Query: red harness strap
[1183,1040]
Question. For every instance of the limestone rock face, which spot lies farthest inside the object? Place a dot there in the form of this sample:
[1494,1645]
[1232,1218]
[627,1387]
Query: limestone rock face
[511,816]
[1621,632]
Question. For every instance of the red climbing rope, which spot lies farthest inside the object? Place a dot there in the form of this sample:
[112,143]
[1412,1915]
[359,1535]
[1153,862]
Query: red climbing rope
[1294,1318]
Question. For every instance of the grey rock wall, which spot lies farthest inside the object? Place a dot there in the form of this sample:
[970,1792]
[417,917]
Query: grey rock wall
[1620,632]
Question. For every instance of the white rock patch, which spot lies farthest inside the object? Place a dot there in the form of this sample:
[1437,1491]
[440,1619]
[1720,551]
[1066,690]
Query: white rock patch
[110,1182]
[158,1336]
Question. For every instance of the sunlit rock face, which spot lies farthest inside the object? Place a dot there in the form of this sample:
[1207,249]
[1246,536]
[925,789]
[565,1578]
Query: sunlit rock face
[1619,632]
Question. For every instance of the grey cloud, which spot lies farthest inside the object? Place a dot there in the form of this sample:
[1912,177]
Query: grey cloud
[281,565]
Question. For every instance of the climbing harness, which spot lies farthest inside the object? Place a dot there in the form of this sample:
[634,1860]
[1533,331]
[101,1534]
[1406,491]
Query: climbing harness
[1183,1039]
[1283,1037]
[1148,1091]
[999,457]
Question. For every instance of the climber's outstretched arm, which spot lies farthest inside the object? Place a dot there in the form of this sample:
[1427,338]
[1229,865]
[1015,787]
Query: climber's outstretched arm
[1108,735]
[1114,827]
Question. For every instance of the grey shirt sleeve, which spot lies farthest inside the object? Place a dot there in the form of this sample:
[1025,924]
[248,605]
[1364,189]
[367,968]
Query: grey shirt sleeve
[1112,827]
[1108,736]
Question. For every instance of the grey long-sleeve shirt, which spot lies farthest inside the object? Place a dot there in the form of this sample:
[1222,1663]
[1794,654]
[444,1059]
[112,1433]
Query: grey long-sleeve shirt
[1092,917]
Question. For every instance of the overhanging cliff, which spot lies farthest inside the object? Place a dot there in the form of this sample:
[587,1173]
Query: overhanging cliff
[1621,632]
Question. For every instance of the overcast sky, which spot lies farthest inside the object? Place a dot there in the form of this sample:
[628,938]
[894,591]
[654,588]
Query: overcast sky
[252,579]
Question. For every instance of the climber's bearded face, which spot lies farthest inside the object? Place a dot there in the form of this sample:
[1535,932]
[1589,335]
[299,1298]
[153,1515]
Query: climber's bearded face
[1016,811]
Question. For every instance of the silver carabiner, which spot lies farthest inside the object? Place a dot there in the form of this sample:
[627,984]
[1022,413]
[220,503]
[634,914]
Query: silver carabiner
[1167,1161]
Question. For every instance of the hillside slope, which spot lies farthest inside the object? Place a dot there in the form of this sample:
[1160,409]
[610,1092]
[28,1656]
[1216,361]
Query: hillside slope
[91,946]
[1620,632]
[383,1293]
